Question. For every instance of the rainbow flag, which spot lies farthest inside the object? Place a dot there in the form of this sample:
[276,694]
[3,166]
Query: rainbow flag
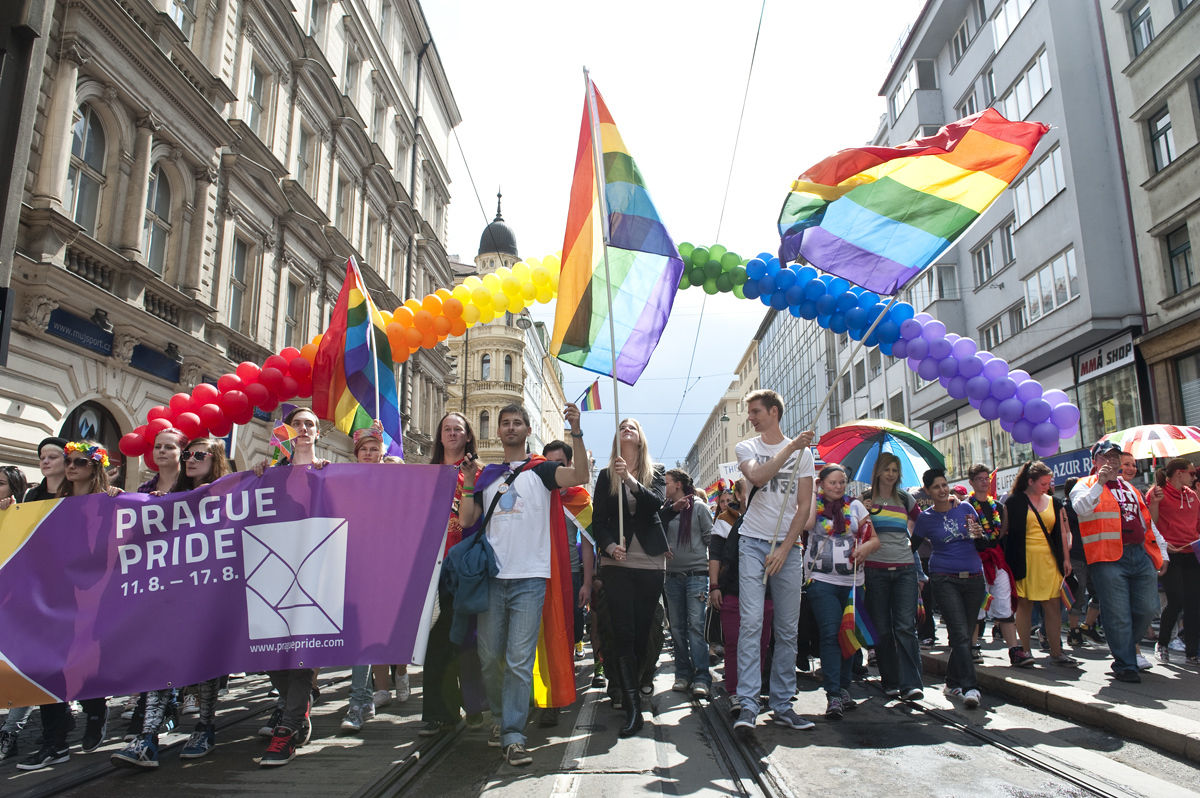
[644,266]
[281,438]
[347,366]
[1065,594]
[591,398]
[577,504]
[879,215]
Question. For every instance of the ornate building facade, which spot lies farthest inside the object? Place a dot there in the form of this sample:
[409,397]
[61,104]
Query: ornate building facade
[199,174]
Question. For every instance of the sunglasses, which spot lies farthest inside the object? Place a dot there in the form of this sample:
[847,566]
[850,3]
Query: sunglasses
[79,462]
[198,456]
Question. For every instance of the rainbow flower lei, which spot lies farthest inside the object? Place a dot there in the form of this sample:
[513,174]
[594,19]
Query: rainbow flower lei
[93,452]
[826,522]
[989,520]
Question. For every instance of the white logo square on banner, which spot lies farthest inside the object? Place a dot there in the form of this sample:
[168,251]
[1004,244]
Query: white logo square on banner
[295,577]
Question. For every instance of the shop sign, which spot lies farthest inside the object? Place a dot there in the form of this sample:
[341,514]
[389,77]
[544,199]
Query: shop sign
[1076,464]
[944,426]
[1106,357]
[154,362]
[80,331]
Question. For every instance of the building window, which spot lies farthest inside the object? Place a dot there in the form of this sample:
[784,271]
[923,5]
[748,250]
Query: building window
[989,87]
[317,11]
[896,408]
[875,362]
[306,160]
[1051,286]
[508,368]
[485,367]
[353,67]
[958,44]
[293,310]
[991,334]
[156,230]
[920,75]
[1162,141]
[1029,89]
[485,424]
[239,279]
[860,374]
[1141,29]
[258,90]
[1008,245]
[1041,183]
[1179,256]
[345,203]
[378,115]
[936,282]
[1187,368]
[981,260]
[847,388]
[85,176]
[184,14]
[1008,15]
[969,105]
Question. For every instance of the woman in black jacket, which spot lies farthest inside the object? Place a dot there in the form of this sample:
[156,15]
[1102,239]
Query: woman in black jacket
[634,562]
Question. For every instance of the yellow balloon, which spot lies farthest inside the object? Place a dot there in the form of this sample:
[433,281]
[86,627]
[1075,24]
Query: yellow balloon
[486,315]
[528,291]
[502,272]
[512,286]
[470,314]
[473,282]
[412,304]
[461,293]
[554,279]
[481,297]
[533,262]
[545,294]
[492,283]
[540,275]
[499,302]
[521,271]
[552,263]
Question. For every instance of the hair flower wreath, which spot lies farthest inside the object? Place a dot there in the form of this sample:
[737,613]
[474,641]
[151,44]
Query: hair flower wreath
[91,452]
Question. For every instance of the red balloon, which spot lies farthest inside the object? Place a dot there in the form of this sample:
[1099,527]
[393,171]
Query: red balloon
[258,394]
[270,404]
[222,429]
[300,368]
[189,424]
[289,353]
[247,371]
[276,362]
[132,445]
[289,387]
[154,427]
[232,401]
[306,389]
[211,416]
[243,415]
[272,378]
[158,411]
[149,461]
[205,394]
[181,403]
[229,382]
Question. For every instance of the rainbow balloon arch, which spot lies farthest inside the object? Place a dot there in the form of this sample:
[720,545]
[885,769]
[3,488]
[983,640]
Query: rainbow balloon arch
[1025,410]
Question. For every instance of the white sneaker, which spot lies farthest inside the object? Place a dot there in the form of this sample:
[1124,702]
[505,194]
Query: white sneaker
[382,698]
[1143,663]
[1176,645]
[952,692]
[402,689]
[190,705]
[971,699]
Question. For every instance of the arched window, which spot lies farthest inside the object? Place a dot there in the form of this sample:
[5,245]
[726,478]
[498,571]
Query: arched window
[86,173]
[157,227]
[485,368]
[508,368]
[485,424]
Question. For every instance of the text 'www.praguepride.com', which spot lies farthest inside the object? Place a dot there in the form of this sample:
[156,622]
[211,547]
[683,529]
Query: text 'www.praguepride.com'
[296,645]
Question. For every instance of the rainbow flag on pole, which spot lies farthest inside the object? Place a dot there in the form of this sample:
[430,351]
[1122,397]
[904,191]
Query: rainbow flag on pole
[879,215]
[643,264]
[591,398]
[353,380]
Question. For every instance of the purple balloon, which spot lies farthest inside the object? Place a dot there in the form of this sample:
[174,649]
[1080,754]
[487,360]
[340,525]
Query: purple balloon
[944,382]
[985,355]
[964,348]
[995,369]
[934,330]
[989,408]
[1019,375]
[922,318]
[1045,451]
[1065,434]
[1029,390]
[952,338]
[1038,411]
[1022,432]
[928,369]
[978,387]
[948,367]
[1003,388]
[918,348]
[958,388]
[910,329]
[913,363]
[939,349]
[1011,409]
[1065,416]
[900,349]
[970,367]
[1006,425]
[975,403]
[1045,434]
[1056,397]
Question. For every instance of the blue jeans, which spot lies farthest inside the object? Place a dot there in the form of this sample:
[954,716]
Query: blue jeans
[361,692]
[828,604]
[1128,591]
[959,598]
[892,603]
[686,596]
[785,587]
[508,635]
[16,720]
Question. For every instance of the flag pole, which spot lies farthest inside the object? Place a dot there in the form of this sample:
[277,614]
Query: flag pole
[598,169]
[820,409]
[370,331]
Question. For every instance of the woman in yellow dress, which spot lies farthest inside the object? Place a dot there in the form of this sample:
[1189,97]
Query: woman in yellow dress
[1036,550]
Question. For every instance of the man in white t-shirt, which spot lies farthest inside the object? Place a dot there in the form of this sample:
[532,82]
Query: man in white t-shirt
[766,547]
[519,532]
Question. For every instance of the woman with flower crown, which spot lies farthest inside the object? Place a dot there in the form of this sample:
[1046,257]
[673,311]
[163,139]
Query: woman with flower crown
[841,539]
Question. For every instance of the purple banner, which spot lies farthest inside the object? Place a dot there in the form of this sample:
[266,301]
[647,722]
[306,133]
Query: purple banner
[103,596]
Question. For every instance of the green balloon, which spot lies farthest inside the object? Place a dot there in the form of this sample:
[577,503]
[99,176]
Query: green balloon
[684,282]
[716,252]
[710,286]
[696,276]
[737,291]
[712,269]
[685,251]
[729,260]
[699,256]
[724,284]
[738,275]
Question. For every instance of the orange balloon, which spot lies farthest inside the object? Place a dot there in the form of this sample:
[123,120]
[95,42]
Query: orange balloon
[443,294]
[423,320]
[395,332]
[400,355]
[451,308]
[403,316]
[441,325]
[309,352]
[432,304]
[457,326]
[412,304]
[316,341]
[413,337]
[430,340]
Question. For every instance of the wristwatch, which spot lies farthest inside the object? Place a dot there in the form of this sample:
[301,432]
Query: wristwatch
[575,434]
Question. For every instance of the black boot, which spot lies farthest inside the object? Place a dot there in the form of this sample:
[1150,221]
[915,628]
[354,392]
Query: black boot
[631,699]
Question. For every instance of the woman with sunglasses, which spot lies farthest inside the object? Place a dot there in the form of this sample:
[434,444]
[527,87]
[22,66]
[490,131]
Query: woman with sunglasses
[85,474]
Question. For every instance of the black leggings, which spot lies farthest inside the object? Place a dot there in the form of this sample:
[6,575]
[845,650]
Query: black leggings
[1182,584]
[56,719]
[633,594]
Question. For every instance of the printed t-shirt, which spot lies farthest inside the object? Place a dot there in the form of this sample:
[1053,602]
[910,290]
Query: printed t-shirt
[519,529]
[827,557]
[1132,530]
[953,547]
[891,525]
[761,518]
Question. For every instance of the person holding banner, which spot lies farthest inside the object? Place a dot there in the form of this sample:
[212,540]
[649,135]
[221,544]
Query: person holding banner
[167,446]
[53,465]
[86,464]
[1174,508]
[782,471]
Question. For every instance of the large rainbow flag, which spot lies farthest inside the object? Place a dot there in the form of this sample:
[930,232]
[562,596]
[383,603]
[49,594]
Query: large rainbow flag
[644,266]
[353,380]
[879,215]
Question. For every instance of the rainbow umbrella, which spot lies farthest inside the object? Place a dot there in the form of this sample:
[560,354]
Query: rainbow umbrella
[1157,440]
[857,446]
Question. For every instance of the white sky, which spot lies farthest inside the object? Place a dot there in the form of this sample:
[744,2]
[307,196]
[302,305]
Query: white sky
[673,75]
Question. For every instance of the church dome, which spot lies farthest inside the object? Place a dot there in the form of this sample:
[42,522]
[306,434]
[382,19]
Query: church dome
[498,237]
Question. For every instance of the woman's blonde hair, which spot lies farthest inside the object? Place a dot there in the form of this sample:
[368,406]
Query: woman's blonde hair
[884,460]
[642,469]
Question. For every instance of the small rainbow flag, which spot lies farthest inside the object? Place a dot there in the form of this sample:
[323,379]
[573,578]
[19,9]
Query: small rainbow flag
[591,398]
[1068,598]
[987,601]
[281,439]
[643,264]
[877,216]
[714,490]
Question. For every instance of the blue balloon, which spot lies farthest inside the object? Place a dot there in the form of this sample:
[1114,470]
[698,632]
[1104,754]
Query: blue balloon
[856,334]
[886,348]
[826,305]
[785,279]
[766,299]
[872,339]
[928,369]
[1037,411]
[808,309]
[838,286]
[957,388]
[779,300]
[837,323]
[750,289]
[773,265]
[856,318]
[823,321]
[910,329]
[867,300]
[766,285]
[795,295]
[765,256]
[901,311]
[888,331]
[875,311]
[1004,388]
[845,301]
[805,273]
[794,310]
[756,269]
[814,290]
